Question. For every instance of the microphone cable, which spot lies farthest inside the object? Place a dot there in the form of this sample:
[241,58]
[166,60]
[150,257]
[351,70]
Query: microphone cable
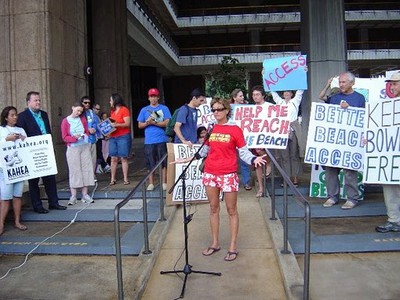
[49,237]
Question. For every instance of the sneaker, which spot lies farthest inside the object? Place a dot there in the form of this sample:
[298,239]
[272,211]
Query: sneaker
[99,170]
[87,199]
[72,200]
[107,169]
[164,186]
[330,202]
[150,187]
[349,204]
[388,226]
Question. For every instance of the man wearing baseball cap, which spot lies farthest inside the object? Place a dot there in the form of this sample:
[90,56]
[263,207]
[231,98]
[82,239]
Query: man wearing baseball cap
[391,192]
[153,118]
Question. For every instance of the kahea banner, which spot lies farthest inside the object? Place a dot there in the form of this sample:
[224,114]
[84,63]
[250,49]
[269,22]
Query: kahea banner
[285,73]
[195,190]
[382,151]
[31,158]
[335,136]
[318,184]
[264,126]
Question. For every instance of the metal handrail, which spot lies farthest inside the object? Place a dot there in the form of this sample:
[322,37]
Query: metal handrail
[307,216]
[117,231]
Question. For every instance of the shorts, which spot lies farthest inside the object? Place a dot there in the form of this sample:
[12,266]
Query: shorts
[9,191]
[153,153]
[226,183]
[120,146]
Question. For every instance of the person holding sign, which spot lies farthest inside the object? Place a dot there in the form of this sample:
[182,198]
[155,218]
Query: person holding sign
[347,97]
[391,192]
[258,95]
[75,133]
[237,97]
[291,155]
[120,139]
[153,118]
[220,173]
[10,192]
[36,122]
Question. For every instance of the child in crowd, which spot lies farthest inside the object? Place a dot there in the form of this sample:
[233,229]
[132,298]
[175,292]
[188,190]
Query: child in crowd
[201,134]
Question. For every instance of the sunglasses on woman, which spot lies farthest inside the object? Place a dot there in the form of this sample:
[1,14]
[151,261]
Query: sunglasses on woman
[217,109]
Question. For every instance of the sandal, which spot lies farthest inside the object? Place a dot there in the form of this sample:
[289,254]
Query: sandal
[113,182]
[231,255]
[247,187]
[207,252]
[21,227]
[260,194]
[126,182]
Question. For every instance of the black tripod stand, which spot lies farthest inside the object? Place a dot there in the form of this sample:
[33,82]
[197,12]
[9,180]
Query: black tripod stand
[187,269]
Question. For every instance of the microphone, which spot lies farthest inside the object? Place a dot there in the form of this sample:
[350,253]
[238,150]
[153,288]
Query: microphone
[209,130]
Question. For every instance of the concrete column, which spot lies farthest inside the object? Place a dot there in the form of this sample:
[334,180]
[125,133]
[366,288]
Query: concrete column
[110,52]
[43,48]
[323,40]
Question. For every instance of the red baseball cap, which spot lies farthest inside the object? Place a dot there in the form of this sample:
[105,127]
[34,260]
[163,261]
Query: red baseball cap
[153,92]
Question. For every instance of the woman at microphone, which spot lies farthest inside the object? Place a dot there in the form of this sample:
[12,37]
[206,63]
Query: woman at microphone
[220,173]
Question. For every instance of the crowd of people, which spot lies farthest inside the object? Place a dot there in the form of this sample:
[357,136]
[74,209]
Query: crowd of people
[89,151]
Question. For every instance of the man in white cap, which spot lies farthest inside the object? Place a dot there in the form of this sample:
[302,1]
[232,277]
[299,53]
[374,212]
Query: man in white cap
[391,192]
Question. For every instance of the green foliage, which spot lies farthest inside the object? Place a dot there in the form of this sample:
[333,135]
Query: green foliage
[230,75]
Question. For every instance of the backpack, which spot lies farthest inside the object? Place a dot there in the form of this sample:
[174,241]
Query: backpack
[169,130]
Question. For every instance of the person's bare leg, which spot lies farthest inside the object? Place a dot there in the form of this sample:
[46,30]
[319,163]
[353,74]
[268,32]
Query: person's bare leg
[231,208]
[4,207]
[124,163]
[114,163]
[17,205]
[260,180]
[213,197]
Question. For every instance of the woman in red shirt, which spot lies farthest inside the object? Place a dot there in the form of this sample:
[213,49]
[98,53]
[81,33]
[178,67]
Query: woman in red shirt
[120,140]
[220,173]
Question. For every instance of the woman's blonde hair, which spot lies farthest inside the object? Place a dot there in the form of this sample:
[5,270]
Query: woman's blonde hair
[222,101]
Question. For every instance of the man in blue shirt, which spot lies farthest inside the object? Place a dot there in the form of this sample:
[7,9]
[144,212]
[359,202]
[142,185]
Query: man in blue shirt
[153,118]
[186,121]
[93,120]
[347,97]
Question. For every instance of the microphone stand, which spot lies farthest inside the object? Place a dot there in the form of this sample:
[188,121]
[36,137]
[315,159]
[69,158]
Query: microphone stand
[187,269]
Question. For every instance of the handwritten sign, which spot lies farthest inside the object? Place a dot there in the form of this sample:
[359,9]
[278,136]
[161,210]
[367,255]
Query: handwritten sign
[285,73]
[318,184]
[264,126]
[382,157]
[335,136]
[106,127]
[195,190]
[31,158]
[204,114]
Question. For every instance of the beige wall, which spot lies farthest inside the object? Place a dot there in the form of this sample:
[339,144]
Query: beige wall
[43,48]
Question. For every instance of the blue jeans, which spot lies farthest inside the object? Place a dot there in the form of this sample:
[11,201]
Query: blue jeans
[245,171]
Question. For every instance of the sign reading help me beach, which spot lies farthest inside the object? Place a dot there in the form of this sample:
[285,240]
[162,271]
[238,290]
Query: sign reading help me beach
[264,126]
[382,152]
[31,158]
[335,136]
[285,73]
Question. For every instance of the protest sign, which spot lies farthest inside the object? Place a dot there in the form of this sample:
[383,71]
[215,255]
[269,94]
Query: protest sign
[195,190]
[106,127]
[382,151]
[264,126]
[285,73]
[31,158]
[204,115]
[335,136]
[318,184]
